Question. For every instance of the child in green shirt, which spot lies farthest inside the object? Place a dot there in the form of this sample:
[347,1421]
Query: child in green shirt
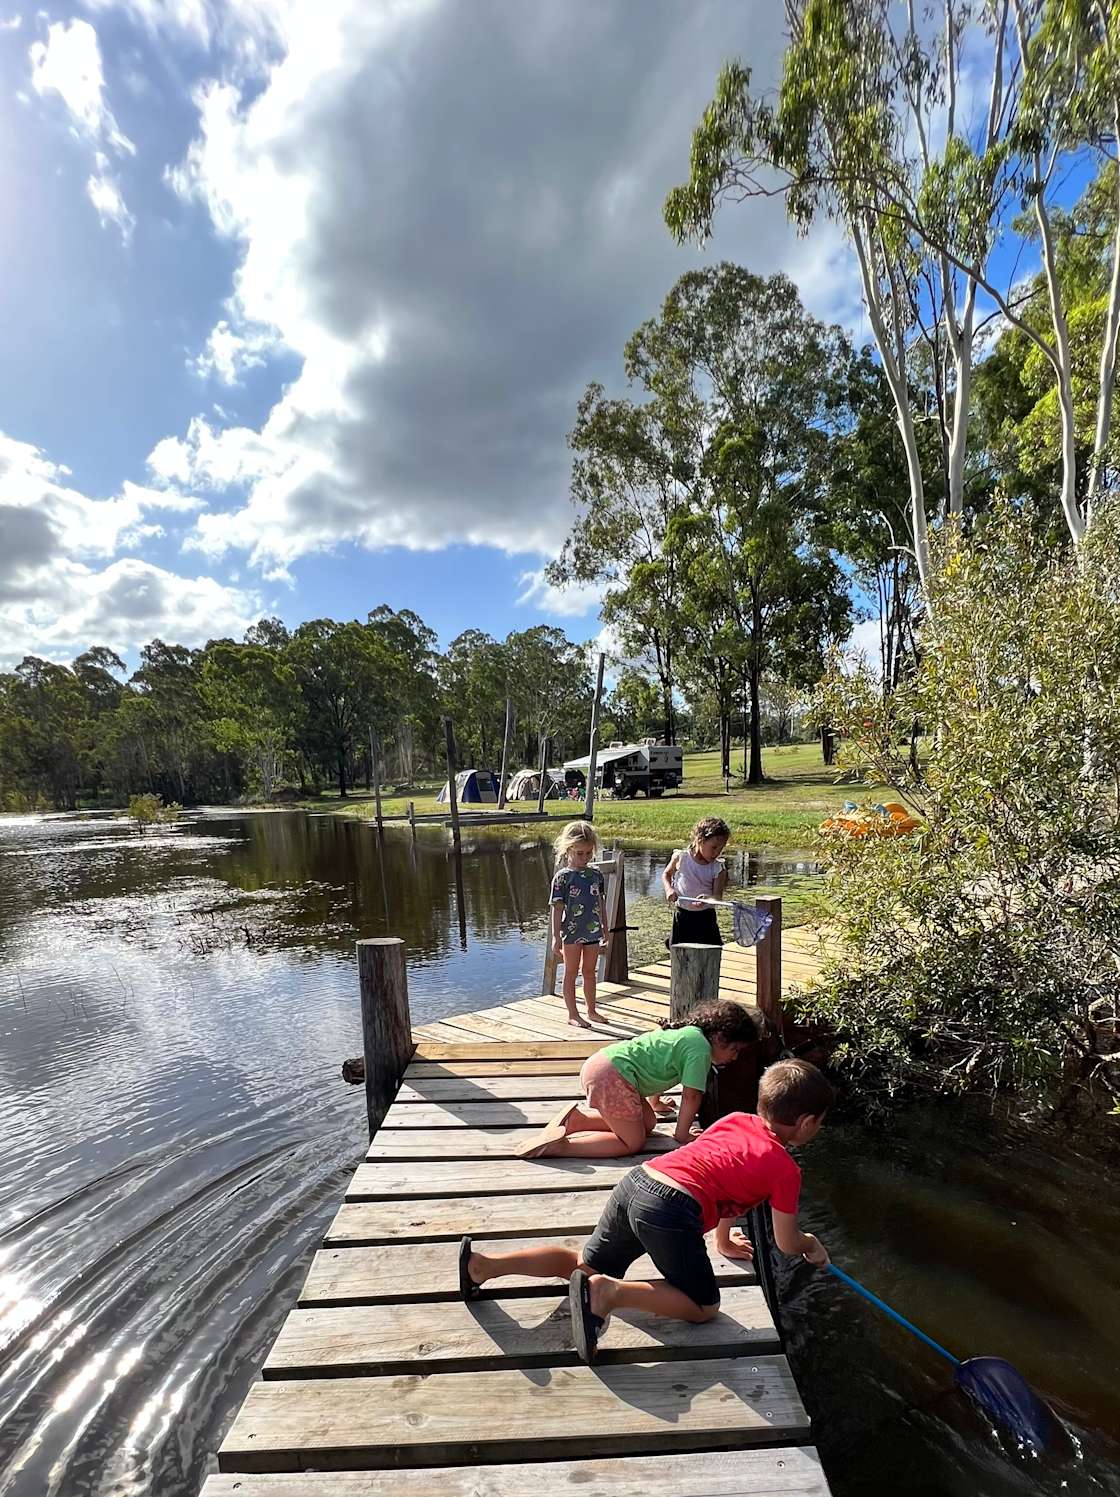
[616,1117]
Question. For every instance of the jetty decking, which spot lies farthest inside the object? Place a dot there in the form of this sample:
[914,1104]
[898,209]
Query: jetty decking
[382,1380]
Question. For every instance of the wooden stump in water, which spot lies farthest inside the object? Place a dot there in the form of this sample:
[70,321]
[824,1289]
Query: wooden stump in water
[354,1070]
[694,977]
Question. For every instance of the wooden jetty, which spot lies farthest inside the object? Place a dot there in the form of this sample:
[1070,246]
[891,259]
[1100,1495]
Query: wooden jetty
[382,1369]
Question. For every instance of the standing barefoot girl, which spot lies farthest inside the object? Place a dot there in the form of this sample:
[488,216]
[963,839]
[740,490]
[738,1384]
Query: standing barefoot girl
[579,914]
[697,872]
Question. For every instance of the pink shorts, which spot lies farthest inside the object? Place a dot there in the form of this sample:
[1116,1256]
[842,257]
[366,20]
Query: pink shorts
[608,1091]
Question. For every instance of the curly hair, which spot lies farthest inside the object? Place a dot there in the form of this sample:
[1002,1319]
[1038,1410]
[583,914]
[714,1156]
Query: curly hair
[707,826]
[729,1020]
[572,835]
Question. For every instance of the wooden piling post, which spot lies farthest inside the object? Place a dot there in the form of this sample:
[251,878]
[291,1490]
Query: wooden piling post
[386,1023]
[768,966]
[543,782]
[505,754]
[375,770]
[694,977]
[589,801]
[449,749]
[412,818]
[617,966]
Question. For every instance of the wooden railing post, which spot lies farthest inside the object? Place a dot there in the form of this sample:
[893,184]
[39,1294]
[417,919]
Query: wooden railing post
[386,1023]
[768,966]
[693,977]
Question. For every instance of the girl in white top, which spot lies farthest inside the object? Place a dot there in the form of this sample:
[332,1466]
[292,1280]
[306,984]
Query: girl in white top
[697,872]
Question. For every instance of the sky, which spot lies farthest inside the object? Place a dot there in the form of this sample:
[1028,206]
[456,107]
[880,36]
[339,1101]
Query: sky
[299,297]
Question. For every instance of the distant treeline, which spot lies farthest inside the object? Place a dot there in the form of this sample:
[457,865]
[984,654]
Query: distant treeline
[283,708]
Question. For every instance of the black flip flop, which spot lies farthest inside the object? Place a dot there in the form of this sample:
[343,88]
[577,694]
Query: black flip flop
[586,1326]
[468,1289]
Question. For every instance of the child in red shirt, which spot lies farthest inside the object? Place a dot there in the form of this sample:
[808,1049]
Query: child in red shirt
[665,1210]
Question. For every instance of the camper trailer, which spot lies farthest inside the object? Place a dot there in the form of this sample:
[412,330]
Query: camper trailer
[624,769]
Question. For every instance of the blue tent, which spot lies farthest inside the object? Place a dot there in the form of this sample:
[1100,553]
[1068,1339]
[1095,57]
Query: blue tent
[472,787]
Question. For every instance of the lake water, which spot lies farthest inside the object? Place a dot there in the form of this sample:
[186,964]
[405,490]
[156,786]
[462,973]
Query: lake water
[174,1137]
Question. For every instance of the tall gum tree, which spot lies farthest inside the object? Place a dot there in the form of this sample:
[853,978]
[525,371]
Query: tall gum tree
[869,127]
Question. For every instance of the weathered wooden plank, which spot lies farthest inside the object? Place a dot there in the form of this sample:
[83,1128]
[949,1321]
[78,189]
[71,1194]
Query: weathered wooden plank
[441,1090]
[388,1340]
[543,1050]
[368,1223]
[470,1143]
[384,1181]
[342,1423]
[469,1115]
[425,1070]
[787,1471]
[411,1273]
[487,1028]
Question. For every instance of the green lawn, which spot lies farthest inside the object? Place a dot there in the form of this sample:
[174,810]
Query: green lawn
[782,814]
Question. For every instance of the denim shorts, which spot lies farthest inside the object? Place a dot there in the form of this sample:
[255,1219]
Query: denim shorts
[643,1215]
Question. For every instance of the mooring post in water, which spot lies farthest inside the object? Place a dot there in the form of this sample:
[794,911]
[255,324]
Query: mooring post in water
[768,966]
[412,818]
[542,787]
[693,977]
[386,1022]
[452,793]
[505,755]
[375,770]
[593,748]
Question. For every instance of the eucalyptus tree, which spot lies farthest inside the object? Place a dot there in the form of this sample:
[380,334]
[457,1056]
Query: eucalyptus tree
[869,127]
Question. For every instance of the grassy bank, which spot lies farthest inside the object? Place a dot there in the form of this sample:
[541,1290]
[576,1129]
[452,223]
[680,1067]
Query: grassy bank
[783,814]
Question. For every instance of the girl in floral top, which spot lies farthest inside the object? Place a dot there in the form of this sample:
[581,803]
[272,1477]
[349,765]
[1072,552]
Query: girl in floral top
[579,915]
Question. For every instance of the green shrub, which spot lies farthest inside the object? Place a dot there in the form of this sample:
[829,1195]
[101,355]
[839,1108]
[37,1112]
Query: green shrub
[983,951]
[149,810]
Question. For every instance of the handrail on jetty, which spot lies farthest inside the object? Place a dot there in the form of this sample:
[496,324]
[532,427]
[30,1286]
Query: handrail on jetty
[381,1366]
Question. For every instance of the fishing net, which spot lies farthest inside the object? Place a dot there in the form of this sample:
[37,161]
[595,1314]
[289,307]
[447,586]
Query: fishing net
[748,923]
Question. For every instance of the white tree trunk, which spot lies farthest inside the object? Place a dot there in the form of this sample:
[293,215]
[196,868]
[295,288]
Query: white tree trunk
[1064,375]
[896,380]
[1108,362]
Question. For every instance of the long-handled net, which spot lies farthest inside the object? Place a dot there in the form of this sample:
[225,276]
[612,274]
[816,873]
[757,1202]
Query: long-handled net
[748,923]
[993,1384]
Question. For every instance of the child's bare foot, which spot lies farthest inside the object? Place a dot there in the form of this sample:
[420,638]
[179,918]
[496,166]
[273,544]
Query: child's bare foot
[578,1021]
[596,1017]
[542,1143]
[663,1108]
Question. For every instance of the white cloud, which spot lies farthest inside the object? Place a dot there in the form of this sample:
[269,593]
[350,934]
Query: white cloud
[68,64]
[105,194]
[451,215]
[64,585]
[565,602]
[10,23]
[228,354]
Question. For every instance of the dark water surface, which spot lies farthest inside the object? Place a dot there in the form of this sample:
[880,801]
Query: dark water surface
[174,1137]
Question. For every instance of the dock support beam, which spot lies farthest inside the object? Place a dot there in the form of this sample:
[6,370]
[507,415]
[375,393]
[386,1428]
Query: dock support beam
[593,747]
[768,967]
[386,1022]
[694,977]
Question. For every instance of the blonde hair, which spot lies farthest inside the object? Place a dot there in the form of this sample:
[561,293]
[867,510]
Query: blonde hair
[572,835]
[707,826]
